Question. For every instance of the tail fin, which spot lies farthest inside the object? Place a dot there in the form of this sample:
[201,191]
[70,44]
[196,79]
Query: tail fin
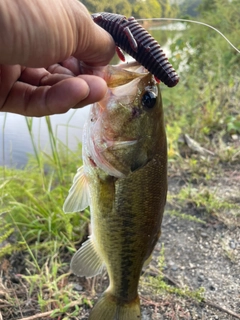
[110,308]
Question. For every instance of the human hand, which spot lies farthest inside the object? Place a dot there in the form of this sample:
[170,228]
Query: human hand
[34,39]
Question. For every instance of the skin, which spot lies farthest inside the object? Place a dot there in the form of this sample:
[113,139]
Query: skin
[41,47]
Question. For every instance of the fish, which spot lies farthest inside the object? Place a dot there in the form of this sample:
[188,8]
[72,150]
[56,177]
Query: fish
[124,181]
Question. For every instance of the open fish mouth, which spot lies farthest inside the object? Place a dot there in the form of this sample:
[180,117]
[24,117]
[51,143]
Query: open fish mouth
[115,75]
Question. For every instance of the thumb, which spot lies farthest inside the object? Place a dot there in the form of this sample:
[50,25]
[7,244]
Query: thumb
[95,46]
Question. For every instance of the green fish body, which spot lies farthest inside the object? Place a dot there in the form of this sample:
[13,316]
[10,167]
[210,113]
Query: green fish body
[124,180]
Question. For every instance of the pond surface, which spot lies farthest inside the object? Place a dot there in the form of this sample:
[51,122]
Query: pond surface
[15,140]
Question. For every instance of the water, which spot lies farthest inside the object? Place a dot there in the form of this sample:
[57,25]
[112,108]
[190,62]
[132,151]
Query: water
[15,142]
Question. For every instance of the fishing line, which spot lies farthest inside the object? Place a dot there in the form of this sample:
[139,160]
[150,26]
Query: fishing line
[193,21]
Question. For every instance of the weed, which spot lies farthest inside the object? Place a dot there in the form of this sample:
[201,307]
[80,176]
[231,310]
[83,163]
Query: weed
[229,253]
[185,216]
[202,198]
[233,124]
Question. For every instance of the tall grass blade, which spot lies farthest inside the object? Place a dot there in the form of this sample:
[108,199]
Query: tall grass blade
[54,150]
[29,122]
[3,142]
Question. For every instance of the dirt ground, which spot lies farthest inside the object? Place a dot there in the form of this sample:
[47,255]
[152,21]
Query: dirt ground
[207,255]
[197,254]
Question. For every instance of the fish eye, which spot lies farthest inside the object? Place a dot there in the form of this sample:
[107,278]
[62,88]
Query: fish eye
[149,99]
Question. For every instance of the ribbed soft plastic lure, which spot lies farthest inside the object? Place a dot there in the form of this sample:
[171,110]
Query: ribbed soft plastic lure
[130,36]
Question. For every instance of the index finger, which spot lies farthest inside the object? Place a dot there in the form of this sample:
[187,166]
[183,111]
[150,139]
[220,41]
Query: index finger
[38,101]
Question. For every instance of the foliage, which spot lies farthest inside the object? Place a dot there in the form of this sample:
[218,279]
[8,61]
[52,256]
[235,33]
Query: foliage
[115,6]
[167,8]
[190,7]
[204,199]
[205,104]
[51,288]
[210,51]
[32,221]
[136,8]
[146,9]
[6,230]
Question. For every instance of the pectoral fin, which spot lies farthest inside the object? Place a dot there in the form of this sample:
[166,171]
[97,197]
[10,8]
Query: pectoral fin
[86,261]
[78,198]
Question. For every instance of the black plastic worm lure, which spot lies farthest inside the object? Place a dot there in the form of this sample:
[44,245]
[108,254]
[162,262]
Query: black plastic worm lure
[131,37]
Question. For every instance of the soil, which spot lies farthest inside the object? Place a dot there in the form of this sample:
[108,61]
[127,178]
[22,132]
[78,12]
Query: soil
[197,254]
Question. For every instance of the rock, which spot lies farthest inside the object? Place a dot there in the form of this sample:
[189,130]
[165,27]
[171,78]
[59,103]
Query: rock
[232,244]
[145,315]
[200,278]
[204,234]
[174,267]
[77,287]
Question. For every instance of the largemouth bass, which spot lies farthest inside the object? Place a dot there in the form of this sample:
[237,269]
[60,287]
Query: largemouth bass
[124,180]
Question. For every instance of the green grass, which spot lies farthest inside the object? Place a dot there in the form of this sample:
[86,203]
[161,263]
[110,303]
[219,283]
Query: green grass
[33,223]
[33,199]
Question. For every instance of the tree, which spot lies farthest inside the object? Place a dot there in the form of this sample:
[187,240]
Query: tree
[146,9]
[93,5]
[190,7]
[113,6]
[207,6]
[118,6]
[166,8]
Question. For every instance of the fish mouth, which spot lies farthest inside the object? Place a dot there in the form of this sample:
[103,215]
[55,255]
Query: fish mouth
[115,75]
